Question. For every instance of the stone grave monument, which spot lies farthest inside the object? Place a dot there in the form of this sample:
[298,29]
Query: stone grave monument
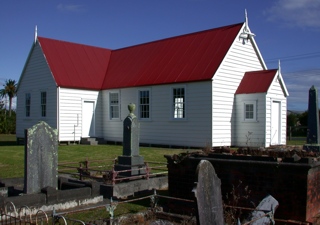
[313,122]
[131,160]
[208,195]
[267,206]
[41,158]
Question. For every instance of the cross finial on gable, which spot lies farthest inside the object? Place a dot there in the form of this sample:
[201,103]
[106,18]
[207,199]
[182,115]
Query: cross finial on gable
[246,34]
[279,66]
[246,19]
[35,34]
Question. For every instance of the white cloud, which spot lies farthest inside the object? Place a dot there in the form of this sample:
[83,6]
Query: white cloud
[70,8]
[296,13]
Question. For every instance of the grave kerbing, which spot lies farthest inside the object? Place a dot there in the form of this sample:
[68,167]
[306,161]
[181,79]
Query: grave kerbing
[313,122]
[131,160]
[41,158]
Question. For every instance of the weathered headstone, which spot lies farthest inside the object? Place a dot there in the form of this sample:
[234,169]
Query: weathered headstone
[41,158]
[131,160]
[267,206]
[313,121]
[4,191]
[208,195]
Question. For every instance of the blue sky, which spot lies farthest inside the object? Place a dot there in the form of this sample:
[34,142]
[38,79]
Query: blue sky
[288,30]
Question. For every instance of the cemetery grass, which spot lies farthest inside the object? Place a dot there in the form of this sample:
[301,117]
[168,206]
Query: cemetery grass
[12,154]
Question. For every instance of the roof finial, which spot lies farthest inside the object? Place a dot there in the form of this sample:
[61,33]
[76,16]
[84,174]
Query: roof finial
[246,34]
[246,19]
[279,66]
[35,34]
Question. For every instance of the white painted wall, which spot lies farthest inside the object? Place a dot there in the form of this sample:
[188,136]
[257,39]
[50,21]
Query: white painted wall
[261,129]
[36,77]
[161,128]
[71,109]
[240,59]
[276,93]
[64,116]
[250,133]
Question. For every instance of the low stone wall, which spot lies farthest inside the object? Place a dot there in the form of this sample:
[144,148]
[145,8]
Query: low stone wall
[294,184]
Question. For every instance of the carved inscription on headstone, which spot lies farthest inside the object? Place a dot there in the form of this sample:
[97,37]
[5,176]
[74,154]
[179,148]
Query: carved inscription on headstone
[41,158]
[208,195]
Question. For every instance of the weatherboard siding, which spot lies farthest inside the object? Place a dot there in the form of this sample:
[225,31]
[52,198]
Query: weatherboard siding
[70,113]
[250,133]
[240,59]
[161,128]
[276,93]
[36,78]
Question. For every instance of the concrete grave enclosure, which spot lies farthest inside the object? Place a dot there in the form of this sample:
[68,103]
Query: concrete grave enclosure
[295,184]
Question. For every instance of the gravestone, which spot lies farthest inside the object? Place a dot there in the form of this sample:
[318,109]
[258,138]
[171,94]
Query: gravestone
[208,195]
[268,205]
[313,122]
[41,158]
[4,191]
[131,160]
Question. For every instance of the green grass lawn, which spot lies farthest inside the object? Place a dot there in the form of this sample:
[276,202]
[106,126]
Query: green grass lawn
[12,165]
[12,155]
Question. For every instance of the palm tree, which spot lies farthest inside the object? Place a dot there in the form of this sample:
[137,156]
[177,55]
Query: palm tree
[10,90]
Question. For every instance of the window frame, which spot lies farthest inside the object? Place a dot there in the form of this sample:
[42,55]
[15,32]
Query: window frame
[113,106]
[174,112]
[147,105]
[27,104]
[254,111]
[43,103]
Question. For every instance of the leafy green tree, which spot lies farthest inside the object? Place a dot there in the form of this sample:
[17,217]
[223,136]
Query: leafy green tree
[10,90]
[292,120]
[303,118]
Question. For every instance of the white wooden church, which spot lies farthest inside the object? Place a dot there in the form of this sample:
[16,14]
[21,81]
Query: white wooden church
[205,88]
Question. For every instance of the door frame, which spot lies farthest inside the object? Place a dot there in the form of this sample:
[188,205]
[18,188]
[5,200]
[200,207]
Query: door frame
[279,122]
[93,132]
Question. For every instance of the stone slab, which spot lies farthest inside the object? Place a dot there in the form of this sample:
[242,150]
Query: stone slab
[29,200]
[41,158]
[4,191]
[130,188]
[133,170]
[268,204]
[208,195]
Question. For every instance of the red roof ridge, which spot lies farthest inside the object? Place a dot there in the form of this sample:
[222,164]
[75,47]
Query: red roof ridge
[178,36]
[75,43]
[184,58]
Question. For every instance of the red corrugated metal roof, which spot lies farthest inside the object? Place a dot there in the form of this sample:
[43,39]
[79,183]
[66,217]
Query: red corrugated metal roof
[186,58]
[256,81]
[76,65]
